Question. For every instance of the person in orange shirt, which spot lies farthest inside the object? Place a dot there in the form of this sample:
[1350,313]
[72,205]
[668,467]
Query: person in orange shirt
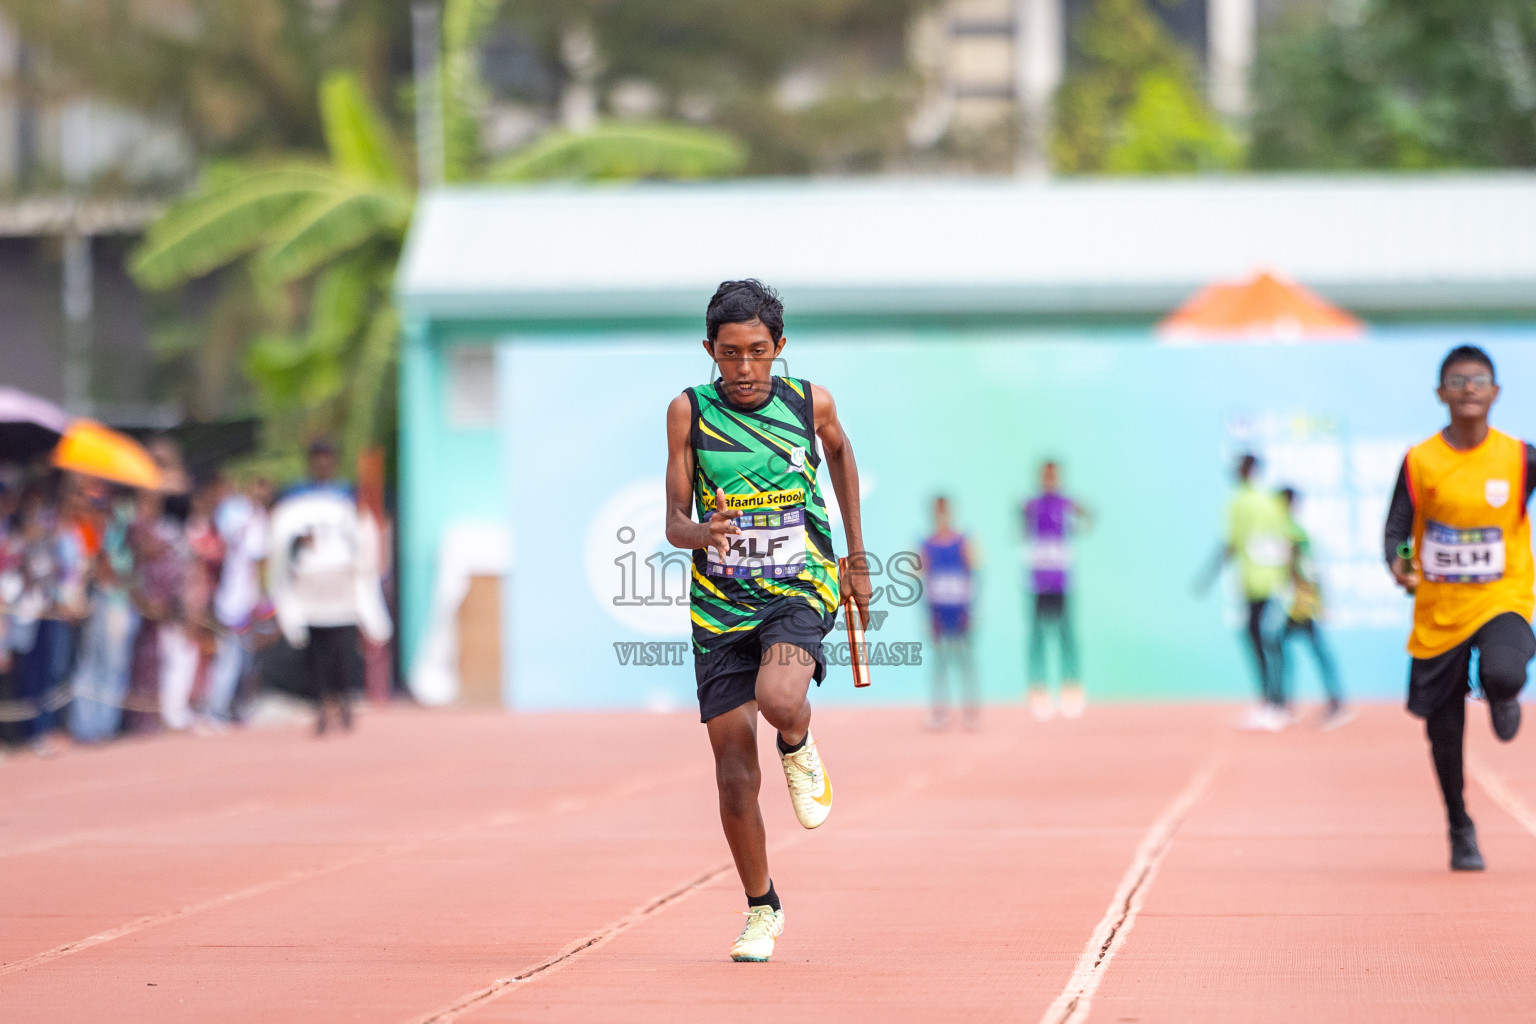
[1459,540]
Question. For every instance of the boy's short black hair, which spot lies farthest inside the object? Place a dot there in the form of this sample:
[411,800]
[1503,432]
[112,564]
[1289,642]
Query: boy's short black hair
[1247,464]
[1466,354]
[741,302]
[1288,495]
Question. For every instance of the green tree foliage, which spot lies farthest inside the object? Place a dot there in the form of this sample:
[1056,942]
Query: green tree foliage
[722,64]
[237,77]
[1404,84]
[464,28]
[1130,105]
[319,242]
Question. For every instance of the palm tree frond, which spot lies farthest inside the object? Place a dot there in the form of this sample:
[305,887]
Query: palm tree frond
[359,139]
[340,305]
[215,227]
[624,152]
[328,225]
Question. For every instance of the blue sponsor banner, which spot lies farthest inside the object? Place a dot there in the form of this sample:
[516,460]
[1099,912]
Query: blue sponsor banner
[1146,436]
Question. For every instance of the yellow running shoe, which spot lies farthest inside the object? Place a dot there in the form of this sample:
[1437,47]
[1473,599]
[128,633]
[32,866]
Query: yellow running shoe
[755,943]
[810,791]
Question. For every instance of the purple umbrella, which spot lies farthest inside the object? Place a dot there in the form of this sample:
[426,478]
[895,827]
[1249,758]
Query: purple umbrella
[29,426]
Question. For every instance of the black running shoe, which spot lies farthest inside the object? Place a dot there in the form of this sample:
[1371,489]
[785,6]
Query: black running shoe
[1506,718]
[1465,855]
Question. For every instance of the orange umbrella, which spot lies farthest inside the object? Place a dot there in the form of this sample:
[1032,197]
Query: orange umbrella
[1266,307]
[90,448]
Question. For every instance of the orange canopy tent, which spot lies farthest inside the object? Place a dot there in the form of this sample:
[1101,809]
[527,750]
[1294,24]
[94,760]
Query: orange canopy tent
[1266,307]
[90,448]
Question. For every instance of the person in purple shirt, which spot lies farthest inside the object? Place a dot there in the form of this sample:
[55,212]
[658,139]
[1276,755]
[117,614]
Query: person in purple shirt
[1050,520]
[947,567]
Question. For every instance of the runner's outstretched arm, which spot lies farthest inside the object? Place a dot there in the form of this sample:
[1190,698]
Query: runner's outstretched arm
[845,483]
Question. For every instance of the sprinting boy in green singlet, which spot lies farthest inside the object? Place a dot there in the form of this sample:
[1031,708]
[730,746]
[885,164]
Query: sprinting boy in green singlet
[741,453]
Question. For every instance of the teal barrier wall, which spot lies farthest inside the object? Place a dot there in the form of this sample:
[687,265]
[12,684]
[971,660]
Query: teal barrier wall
[1146,435]
[447,472]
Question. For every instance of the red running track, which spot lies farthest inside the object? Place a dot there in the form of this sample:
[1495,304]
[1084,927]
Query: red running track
[1146,863]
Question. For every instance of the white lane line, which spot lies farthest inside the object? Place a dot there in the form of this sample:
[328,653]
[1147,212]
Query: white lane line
[1494,785]
[913,785]
[1071,1007]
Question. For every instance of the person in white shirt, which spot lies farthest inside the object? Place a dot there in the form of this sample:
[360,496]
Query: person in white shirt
[241,523]
[323,576]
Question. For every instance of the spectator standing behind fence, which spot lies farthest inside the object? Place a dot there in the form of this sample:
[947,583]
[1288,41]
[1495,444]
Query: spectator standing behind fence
[100,681]
[163,661]
[207,550]
[948,565]
[323,574]
[49,598]
[241,521]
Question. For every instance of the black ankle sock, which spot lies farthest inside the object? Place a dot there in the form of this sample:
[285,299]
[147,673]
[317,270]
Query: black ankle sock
[786,749]
[767,899]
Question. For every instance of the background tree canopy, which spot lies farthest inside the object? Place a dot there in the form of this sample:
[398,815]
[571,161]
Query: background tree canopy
[1403,84]
[1130,102]
[292,229]
[237,78]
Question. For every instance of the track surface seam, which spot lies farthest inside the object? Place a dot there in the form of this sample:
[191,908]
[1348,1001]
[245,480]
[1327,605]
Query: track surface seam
[257,804]
[1071,1007]
[915,784]
[499,819]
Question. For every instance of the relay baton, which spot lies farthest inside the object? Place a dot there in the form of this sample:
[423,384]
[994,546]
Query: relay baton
[855,623]
[1405,552]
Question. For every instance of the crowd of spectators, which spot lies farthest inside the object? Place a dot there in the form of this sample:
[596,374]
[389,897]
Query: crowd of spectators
[130,612]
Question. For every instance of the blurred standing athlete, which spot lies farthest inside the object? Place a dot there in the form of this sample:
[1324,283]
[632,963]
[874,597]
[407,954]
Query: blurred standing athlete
[742,453]
[1258,536]
[1461,500]
[1050,520]
[948,564]
[1301,618]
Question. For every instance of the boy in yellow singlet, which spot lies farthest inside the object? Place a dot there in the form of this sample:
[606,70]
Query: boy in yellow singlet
[1460,502]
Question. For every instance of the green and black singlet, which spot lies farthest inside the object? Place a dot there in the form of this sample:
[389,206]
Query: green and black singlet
[765,461]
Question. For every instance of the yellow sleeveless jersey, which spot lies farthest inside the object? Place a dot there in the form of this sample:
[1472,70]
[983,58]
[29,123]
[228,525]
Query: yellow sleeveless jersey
[1471,538]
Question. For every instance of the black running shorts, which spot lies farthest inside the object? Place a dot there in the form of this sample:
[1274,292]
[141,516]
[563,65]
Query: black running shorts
[727,674]
[1505,640]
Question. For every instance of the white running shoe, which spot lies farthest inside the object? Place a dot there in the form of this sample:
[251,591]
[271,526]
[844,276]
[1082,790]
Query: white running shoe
[1040,704]
[810,791]
[1072,700]
[755,943]
[1265,718]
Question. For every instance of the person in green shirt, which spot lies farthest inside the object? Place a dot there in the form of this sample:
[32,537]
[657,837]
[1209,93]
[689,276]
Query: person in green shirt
[1258,539]
[1305,611]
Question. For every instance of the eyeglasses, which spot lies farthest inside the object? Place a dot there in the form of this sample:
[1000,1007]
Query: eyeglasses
[1477,382]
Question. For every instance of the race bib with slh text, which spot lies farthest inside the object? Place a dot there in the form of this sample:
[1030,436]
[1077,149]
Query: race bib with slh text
[1462,556]
[770,545]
